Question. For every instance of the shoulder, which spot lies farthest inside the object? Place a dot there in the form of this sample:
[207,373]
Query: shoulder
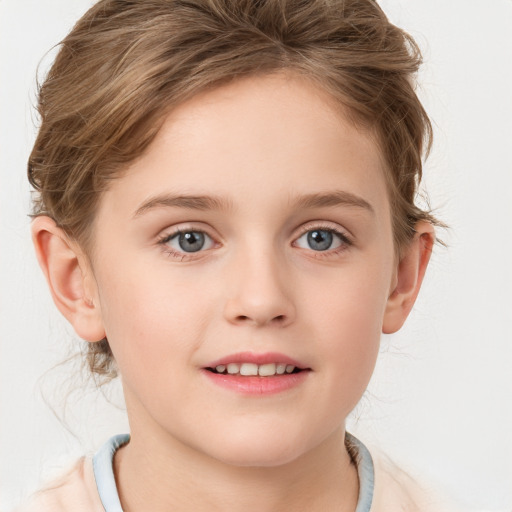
[395,490]
[74,491]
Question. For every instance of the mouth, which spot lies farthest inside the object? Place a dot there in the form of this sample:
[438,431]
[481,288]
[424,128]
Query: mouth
[257,374]
[253,369]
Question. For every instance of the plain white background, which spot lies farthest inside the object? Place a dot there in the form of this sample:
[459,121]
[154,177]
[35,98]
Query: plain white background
[441,399]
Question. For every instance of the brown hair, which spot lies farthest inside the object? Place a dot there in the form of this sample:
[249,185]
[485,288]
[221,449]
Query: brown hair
[127,63]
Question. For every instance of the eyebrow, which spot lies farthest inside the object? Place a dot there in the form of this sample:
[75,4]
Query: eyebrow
[336,198]
[184,201]
[205,203]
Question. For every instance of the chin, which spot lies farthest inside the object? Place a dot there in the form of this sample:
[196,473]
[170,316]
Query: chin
[260,460]
[259,451]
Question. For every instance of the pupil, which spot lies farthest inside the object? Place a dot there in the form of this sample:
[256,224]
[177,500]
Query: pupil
[192,241]
[320,239]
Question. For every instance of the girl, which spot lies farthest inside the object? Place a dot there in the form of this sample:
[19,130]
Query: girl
[226,214]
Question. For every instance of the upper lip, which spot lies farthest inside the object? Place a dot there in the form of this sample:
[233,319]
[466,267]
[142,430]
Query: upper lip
[251,357]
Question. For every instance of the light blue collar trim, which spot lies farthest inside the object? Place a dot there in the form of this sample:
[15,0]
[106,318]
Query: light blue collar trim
[365,472]
[102,464]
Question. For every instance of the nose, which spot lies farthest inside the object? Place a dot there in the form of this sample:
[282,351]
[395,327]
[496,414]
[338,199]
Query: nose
[260,292]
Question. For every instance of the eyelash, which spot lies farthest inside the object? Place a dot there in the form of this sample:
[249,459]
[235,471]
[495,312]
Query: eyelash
[181,256]
[346,242]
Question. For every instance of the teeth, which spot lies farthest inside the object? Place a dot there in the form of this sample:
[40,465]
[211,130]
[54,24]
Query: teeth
[248,369]
[267,369]
[233,368]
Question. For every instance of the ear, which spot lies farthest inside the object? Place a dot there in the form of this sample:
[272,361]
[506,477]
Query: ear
[409,276]
[69,278]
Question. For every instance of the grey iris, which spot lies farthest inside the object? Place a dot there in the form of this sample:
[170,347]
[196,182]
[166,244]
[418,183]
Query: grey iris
[192,241]
[320,239]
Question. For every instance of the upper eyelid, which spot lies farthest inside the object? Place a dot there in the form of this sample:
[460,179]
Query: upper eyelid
[324,225]
[163,241]
[171,232]
[344,239]
[166,239]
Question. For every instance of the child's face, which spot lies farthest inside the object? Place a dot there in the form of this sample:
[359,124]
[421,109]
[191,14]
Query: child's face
[258,176]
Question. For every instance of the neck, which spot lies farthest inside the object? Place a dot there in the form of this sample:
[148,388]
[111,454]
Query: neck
[159,474]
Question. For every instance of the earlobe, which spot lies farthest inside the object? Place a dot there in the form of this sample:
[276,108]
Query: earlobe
[69,278]
[409,276]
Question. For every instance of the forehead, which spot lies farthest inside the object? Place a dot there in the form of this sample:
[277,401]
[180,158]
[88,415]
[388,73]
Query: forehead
[279,133]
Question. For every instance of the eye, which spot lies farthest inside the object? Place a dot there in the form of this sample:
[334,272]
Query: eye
[321,239]
[188,241]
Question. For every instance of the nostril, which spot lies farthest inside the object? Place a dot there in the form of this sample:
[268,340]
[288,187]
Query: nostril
[277,319]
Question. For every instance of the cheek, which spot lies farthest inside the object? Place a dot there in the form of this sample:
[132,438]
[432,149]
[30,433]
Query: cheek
[349,301]
[349,340]
[152,318]
[348,314]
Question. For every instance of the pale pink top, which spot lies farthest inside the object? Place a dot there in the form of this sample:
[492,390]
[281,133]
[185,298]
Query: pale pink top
[386,487]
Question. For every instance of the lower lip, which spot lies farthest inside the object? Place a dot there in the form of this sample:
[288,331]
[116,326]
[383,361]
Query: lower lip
[254,385]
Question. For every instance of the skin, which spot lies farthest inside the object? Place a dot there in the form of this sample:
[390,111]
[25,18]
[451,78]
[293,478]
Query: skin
[259,147]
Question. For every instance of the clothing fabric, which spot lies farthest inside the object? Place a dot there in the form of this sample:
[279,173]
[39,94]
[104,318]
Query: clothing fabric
[90,485]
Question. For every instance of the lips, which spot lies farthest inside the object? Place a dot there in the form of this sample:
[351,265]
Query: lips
[250,373]
[262,370]
[251,364]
